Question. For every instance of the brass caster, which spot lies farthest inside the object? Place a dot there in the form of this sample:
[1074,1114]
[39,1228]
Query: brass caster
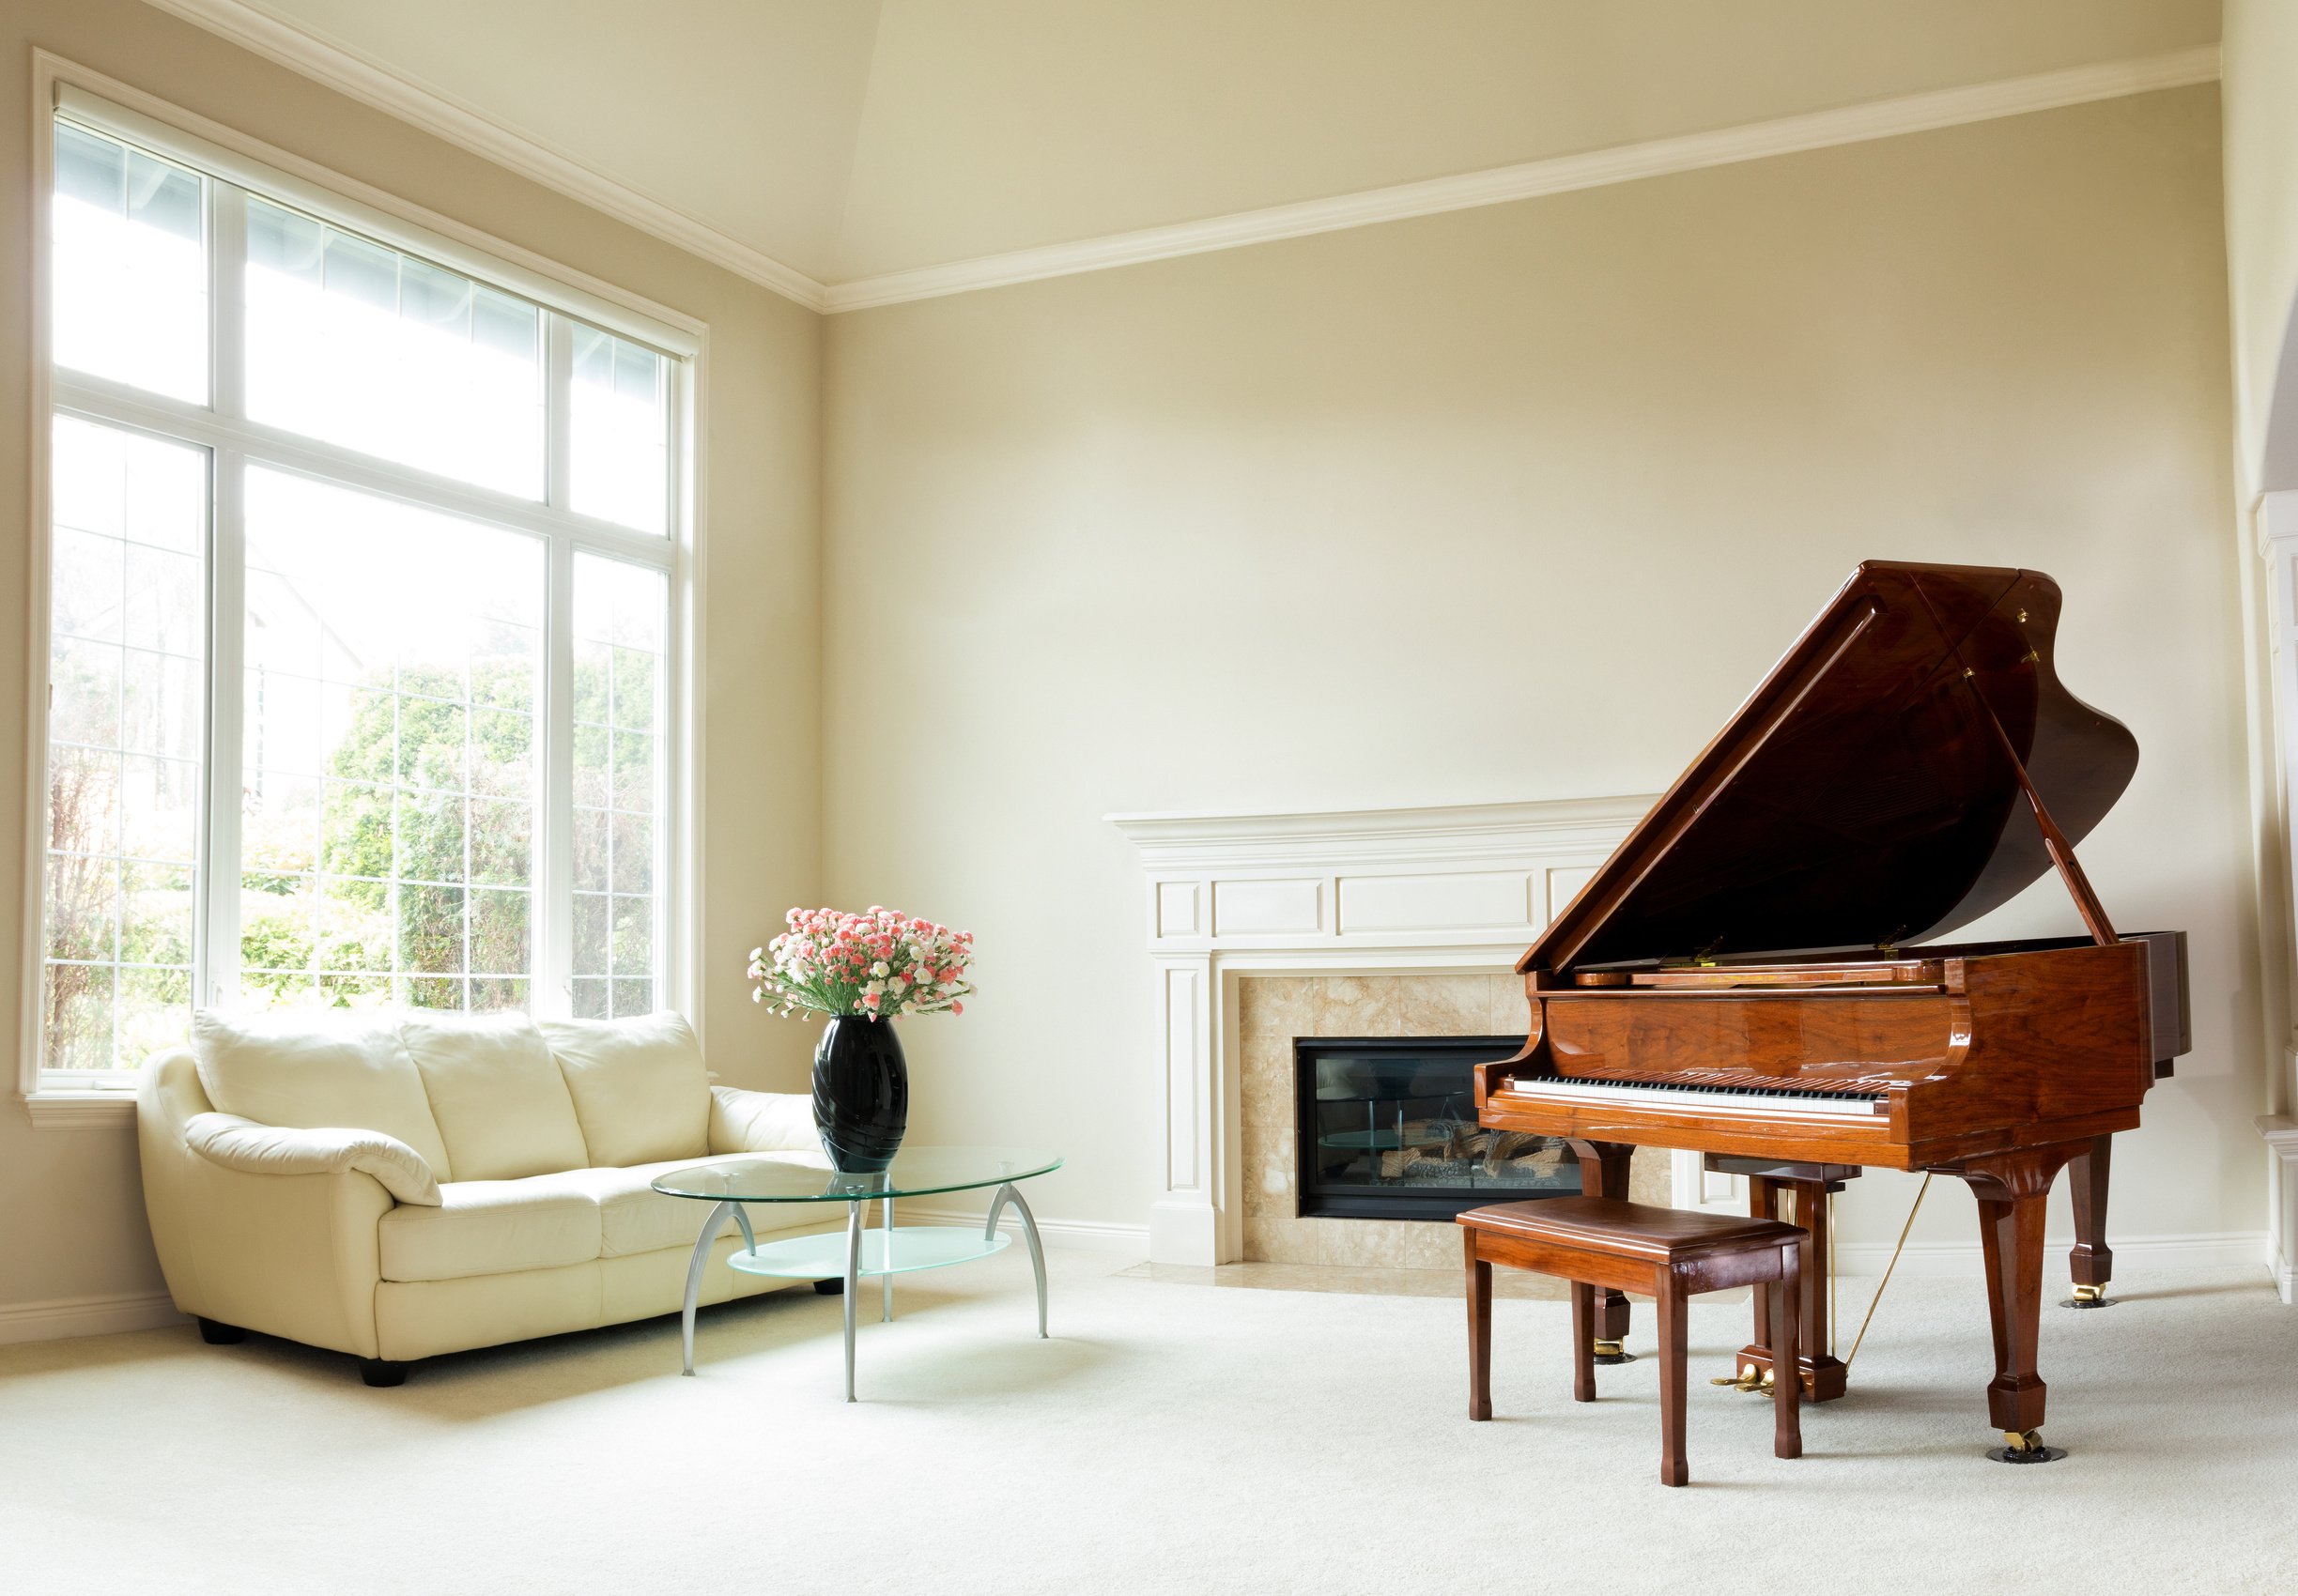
[2088,1297]
[1608,1352]
[2025,1446]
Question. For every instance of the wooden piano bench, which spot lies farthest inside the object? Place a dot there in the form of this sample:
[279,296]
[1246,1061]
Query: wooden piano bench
[1664,1253]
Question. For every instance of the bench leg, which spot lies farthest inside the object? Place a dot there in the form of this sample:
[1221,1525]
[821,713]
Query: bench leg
[1673,1470]
[1584,1342]
[1479,1330]
[1786,1328]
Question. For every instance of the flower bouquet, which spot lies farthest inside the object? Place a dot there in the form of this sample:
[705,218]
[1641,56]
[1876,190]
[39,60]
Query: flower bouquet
[861,970]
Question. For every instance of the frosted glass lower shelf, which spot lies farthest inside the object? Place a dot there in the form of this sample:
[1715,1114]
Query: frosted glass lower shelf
[915,1247]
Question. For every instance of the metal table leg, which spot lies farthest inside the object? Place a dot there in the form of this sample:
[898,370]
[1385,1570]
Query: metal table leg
[886,1281]
[854,1272]
[694,1274]
[1011,1193]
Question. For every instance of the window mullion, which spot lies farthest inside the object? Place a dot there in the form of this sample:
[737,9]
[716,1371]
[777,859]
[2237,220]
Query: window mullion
[218,975]
[554,921]
[559,368]
[227,298]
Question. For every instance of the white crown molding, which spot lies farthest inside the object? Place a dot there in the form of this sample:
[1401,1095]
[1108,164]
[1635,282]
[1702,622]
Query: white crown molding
[362,78]
[1501,185]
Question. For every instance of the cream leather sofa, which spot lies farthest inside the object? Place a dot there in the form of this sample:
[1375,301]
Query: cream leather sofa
[394,1186]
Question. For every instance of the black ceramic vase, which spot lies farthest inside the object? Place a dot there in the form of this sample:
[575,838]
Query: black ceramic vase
[861,1093]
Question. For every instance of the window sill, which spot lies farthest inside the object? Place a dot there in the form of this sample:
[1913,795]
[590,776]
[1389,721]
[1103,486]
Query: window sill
[80,1111]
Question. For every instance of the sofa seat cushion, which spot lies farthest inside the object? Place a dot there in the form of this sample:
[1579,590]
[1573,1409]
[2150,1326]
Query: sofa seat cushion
[634,1218]
[494,1227]
[309,1072]
[502,1105]
[639,1087]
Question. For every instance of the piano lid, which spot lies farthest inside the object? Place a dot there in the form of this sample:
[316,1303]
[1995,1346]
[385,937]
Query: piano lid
[1861,798]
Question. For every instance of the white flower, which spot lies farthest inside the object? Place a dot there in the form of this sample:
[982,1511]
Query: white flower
[878,969]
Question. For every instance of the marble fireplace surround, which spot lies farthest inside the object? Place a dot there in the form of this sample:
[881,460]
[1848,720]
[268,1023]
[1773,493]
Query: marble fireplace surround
[1317,910]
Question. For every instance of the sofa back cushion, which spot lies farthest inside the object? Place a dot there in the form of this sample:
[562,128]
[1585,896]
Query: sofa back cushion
[502,1105]
[638,1085]
[307,1071]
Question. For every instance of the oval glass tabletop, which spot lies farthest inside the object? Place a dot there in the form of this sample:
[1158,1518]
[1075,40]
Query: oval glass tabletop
[916,1172]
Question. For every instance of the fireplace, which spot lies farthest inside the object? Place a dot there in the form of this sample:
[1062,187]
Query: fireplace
[1386,1128]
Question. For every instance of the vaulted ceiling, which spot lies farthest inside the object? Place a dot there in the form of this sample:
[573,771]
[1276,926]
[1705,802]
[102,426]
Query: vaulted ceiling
[852,138]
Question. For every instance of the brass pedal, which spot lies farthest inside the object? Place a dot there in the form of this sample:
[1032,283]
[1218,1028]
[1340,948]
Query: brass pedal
[1750,1378]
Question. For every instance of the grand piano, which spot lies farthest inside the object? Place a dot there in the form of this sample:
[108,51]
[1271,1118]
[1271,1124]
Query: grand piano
[1751,974]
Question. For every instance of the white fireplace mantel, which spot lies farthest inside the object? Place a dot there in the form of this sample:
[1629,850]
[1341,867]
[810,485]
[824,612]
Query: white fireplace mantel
[1459,889]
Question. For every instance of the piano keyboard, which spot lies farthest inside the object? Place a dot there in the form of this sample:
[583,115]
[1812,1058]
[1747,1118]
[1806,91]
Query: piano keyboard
[1761,1102]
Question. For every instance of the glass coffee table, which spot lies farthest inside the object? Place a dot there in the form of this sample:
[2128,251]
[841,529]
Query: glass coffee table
[732,1183]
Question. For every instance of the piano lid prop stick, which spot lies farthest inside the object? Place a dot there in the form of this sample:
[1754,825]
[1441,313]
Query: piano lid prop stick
[2055,841]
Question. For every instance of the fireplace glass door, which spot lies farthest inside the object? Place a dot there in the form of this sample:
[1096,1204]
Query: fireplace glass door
[1387,1130]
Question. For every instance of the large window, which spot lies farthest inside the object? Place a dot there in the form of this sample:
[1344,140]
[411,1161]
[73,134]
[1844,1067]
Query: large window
[359,608]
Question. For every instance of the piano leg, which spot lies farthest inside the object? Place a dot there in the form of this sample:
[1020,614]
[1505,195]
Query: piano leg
[2092,1262]
[2014,1190]
[1603,1173]
[1823,1374]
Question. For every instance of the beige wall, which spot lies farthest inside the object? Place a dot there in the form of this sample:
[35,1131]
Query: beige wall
[73,1222]
[1517,504]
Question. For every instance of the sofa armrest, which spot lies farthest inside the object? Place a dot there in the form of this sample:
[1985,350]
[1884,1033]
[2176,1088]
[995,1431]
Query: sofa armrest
[760,1122]
[290,1255]
[245,1145]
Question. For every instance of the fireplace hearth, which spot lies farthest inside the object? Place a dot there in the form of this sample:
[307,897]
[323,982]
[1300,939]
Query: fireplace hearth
[1387,1130]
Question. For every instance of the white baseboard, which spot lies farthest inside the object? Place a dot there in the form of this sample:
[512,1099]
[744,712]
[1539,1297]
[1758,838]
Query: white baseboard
[64,1316]
[1072,1236]
[2286,1280]
[2134,1256]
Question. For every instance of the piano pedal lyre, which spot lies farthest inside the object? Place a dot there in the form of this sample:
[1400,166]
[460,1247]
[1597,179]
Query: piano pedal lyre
[2025,1446]
[1750,1378]
[1611,1352]
[2088,1297]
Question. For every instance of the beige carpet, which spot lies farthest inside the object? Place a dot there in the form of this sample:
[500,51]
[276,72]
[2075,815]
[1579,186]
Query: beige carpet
[1172,1437]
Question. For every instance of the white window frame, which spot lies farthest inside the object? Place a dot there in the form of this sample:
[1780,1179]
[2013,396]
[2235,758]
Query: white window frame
[221,426]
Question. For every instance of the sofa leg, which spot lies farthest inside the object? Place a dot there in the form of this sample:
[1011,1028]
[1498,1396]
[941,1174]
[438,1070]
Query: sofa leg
[829,1288]
[218,1334]
[382,1372]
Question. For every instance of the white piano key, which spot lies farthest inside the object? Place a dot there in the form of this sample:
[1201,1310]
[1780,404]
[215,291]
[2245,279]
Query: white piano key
[1755,1104]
